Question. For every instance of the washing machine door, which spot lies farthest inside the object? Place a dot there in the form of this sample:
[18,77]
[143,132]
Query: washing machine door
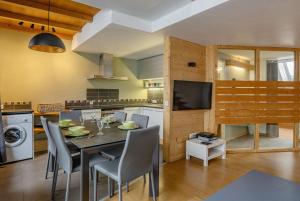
[14,135]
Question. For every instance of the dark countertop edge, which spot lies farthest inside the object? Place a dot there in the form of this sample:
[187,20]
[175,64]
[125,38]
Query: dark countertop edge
[15,112]
[160,106]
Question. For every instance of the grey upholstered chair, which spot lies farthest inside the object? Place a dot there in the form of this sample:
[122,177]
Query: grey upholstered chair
[74,115]
[120,116]
[136,160]
[115,152]
[64,158]
[52,148]
[140,120]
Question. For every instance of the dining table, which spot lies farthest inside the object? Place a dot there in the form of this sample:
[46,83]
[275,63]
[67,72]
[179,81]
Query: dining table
[94,142]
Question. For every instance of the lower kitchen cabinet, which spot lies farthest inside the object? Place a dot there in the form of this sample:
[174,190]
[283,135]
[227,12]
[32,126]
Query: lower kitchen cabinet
[155,118]
[132,110]
[155,115]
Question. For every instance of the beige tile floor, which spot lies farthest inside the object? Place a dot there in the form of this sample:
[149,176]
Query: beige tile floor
[25,181]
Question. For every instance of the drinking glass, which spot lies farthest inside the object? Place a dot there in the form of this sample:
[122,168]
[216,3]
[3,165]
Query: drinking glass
[81,119]
[100,126]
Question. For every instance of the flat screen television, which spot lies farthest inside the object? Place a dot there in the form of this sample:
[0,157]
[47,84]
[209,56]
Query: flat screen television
[190,95]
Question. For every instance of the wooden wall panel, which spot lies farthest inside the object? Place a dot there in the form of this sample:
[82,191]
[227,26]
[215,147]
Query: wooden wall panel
[239,102]
[179,124]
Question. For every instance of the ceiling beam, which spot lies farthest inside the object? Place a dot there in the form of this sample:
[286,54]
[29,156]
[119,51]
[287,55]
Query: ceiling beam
[53,9]
[36,20]
[27,29]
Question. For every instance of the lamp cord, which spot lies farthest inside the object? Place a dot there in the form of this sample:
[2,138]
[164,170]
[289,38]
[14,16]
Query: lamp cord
[48,14]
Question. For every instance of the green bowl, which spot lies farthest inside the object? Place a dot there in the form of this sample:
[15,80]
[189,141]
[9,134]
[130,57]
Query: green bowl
[129,124]
[76,129]
[65,122]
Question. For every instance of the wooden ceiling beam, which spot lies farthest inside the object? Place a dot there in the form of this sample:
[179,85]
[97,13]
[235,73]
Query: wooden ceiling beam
[53,9]
[36,20]
[27,29]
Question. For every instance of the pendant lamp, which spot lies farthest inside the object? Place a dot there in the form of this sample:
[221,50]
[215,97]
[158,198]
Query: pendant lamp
[47,42]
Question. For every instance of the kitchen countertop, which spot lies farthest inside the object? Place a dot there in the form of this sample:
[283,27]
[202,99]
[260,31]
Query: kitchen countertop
[16,111]
[115,106]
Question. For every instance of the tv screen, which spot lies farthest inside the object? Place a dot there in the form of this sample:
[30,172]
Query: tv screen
[189,95]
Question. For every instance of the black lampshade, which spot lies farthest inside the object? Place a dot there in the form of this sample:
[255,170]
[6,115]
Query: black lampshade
[47,42]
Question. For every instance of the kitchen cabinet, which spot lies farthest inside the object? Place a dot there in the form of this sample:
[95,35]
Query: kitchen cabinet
[155,118]
[91,114]
[151,68]
[132,110]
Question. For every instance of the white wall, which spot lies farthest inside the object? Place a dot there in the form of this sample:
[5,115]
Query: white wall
[27,75]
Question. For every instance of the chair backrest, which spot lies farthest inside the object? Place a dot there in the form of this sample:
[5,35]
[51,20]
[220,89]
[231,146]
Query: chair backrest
[136,159]
[74,115]
[140,120]
[63,154]
[120,116]
[51,144]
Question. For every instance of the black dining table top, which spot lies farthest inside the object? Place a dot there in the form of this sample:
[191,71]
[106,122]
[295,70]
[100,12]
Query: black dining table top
[110,135]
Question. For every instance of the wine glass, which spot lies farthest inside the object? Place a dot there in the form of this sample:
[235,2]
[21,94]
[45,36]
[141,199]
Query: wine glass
[81,119]
[100,126]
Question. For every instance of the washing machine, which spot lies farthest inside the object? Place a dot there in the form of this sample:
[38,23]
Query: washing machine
[18,135]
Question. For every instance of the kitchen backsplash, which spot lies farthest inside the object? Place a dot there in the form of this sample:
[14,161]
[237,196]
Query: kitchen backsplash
[16,105]
[156,95]
[100,94]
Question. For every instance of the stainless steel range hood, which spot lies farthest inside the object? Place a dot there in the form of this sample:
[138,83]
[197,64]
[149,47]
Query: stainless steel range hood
[106,69]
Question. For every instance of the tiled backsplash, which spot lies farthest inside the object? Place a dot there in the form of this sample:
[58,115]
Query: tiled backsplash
[100,94]
[155,94]
[17,105]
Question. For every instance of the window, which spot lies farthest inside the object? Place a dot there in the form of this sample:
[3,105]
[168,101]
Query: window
[236,64]
[277,66]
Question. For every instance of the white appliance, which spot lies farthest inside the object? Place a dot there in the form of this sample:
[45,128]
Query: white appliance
[18,135]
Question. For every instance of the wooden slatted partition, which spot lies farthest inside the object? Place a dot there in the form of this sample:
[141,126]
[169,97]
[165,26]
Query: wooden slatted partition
[255,102]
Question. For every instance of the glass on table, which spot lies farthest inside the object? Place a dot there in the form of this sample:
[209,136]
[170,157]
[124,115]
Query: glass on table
[99,123]
[81,119]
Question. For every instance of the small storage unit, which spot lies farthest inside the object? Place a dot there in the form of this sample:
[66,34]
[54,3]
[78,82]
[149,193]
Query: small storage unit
[195,148]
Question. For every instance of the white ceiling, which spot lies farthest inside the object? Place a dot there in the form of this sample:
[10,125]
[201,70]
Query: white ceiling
[145,9]
[231,22]
[125,42]
[244,22]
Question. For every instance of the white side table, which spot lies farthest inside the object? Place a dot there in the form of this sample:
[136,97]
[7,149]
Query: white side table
[205,152]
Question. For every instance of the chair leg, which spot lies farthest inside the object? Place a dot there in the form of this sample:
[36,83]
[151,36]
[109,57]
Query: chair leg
[145,179]
[120,191]
[152,185]
[127,186]
[54,180]
[48,163]
[68,187]
[112,190]
[95,184]
[111,187]
[92,172]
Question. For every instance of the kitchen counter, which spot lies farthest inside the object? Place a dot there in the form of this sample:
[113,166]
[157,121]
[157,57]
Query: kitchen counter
[114,106]
[16,111]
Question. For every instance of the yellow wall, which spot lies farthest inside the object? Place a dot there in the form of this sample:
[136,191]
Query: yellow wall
[27,75]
